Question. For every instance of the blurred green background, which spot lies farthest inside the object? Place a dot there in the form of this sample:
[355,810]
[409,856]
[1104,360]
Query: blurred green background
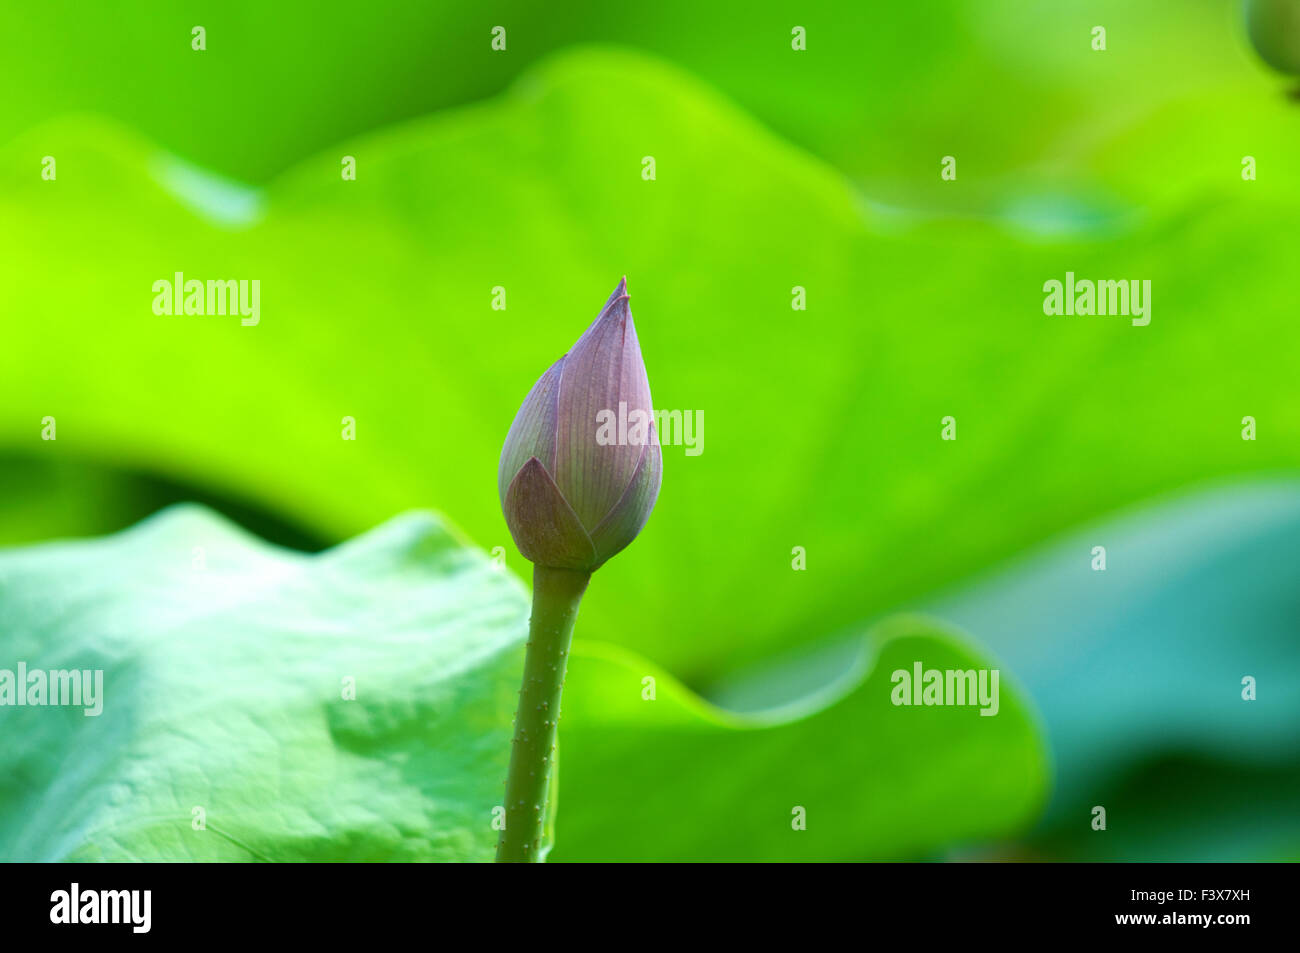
[775,168]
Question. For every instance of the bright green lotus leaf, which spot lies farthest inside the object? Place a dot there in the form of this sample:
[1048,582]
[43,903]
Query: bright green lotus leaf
[881,92]
[274,82]
[225,730]
[262,704]
[821,428]
[844,774]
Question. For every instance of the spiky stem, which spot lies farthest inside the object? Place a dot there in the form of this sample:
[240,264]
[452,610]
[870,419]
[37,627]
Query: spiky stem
[556,596]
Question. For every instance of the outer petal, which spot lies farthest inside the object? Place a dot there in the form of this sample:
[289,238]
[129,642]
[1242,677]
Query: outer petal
[603,369]
[629,515]
[543,525]
[533,432]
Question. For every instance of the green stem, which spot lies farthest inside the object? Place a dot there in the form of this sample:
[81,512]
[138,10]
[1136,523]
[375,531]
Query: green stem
[556,596]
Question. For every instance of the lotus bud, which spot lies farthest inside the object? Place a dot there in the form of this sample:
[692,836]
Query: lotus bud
[581,465]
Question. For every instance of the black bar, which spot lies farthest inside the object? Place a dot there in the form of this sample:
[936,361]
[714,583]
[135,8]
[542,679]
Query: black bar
[929,901]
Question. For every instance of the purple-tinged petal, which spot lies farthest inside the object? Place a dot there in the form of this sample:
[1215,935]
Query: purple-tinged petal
[604,372]
[543,525]
[630,513]
[533,432]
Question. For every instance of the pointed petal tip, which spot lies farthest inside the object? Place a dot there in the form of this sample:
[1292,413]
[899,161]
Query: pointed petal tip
[620,293]
[617,305]
[617,298]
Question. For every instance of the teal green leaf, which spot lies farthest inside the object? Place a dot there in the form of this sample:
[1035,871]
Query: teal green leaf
[224,667]
[1139,671]
[1141,683]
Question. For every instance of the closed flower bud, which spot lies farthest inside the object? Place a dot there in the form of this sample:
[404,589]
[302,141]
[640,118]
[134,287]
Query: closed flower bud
[581,466]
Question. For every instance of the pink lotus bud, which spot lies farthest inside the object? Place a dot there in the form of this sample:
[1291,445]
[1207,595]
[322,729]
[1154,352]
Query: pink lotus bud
[576,490]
